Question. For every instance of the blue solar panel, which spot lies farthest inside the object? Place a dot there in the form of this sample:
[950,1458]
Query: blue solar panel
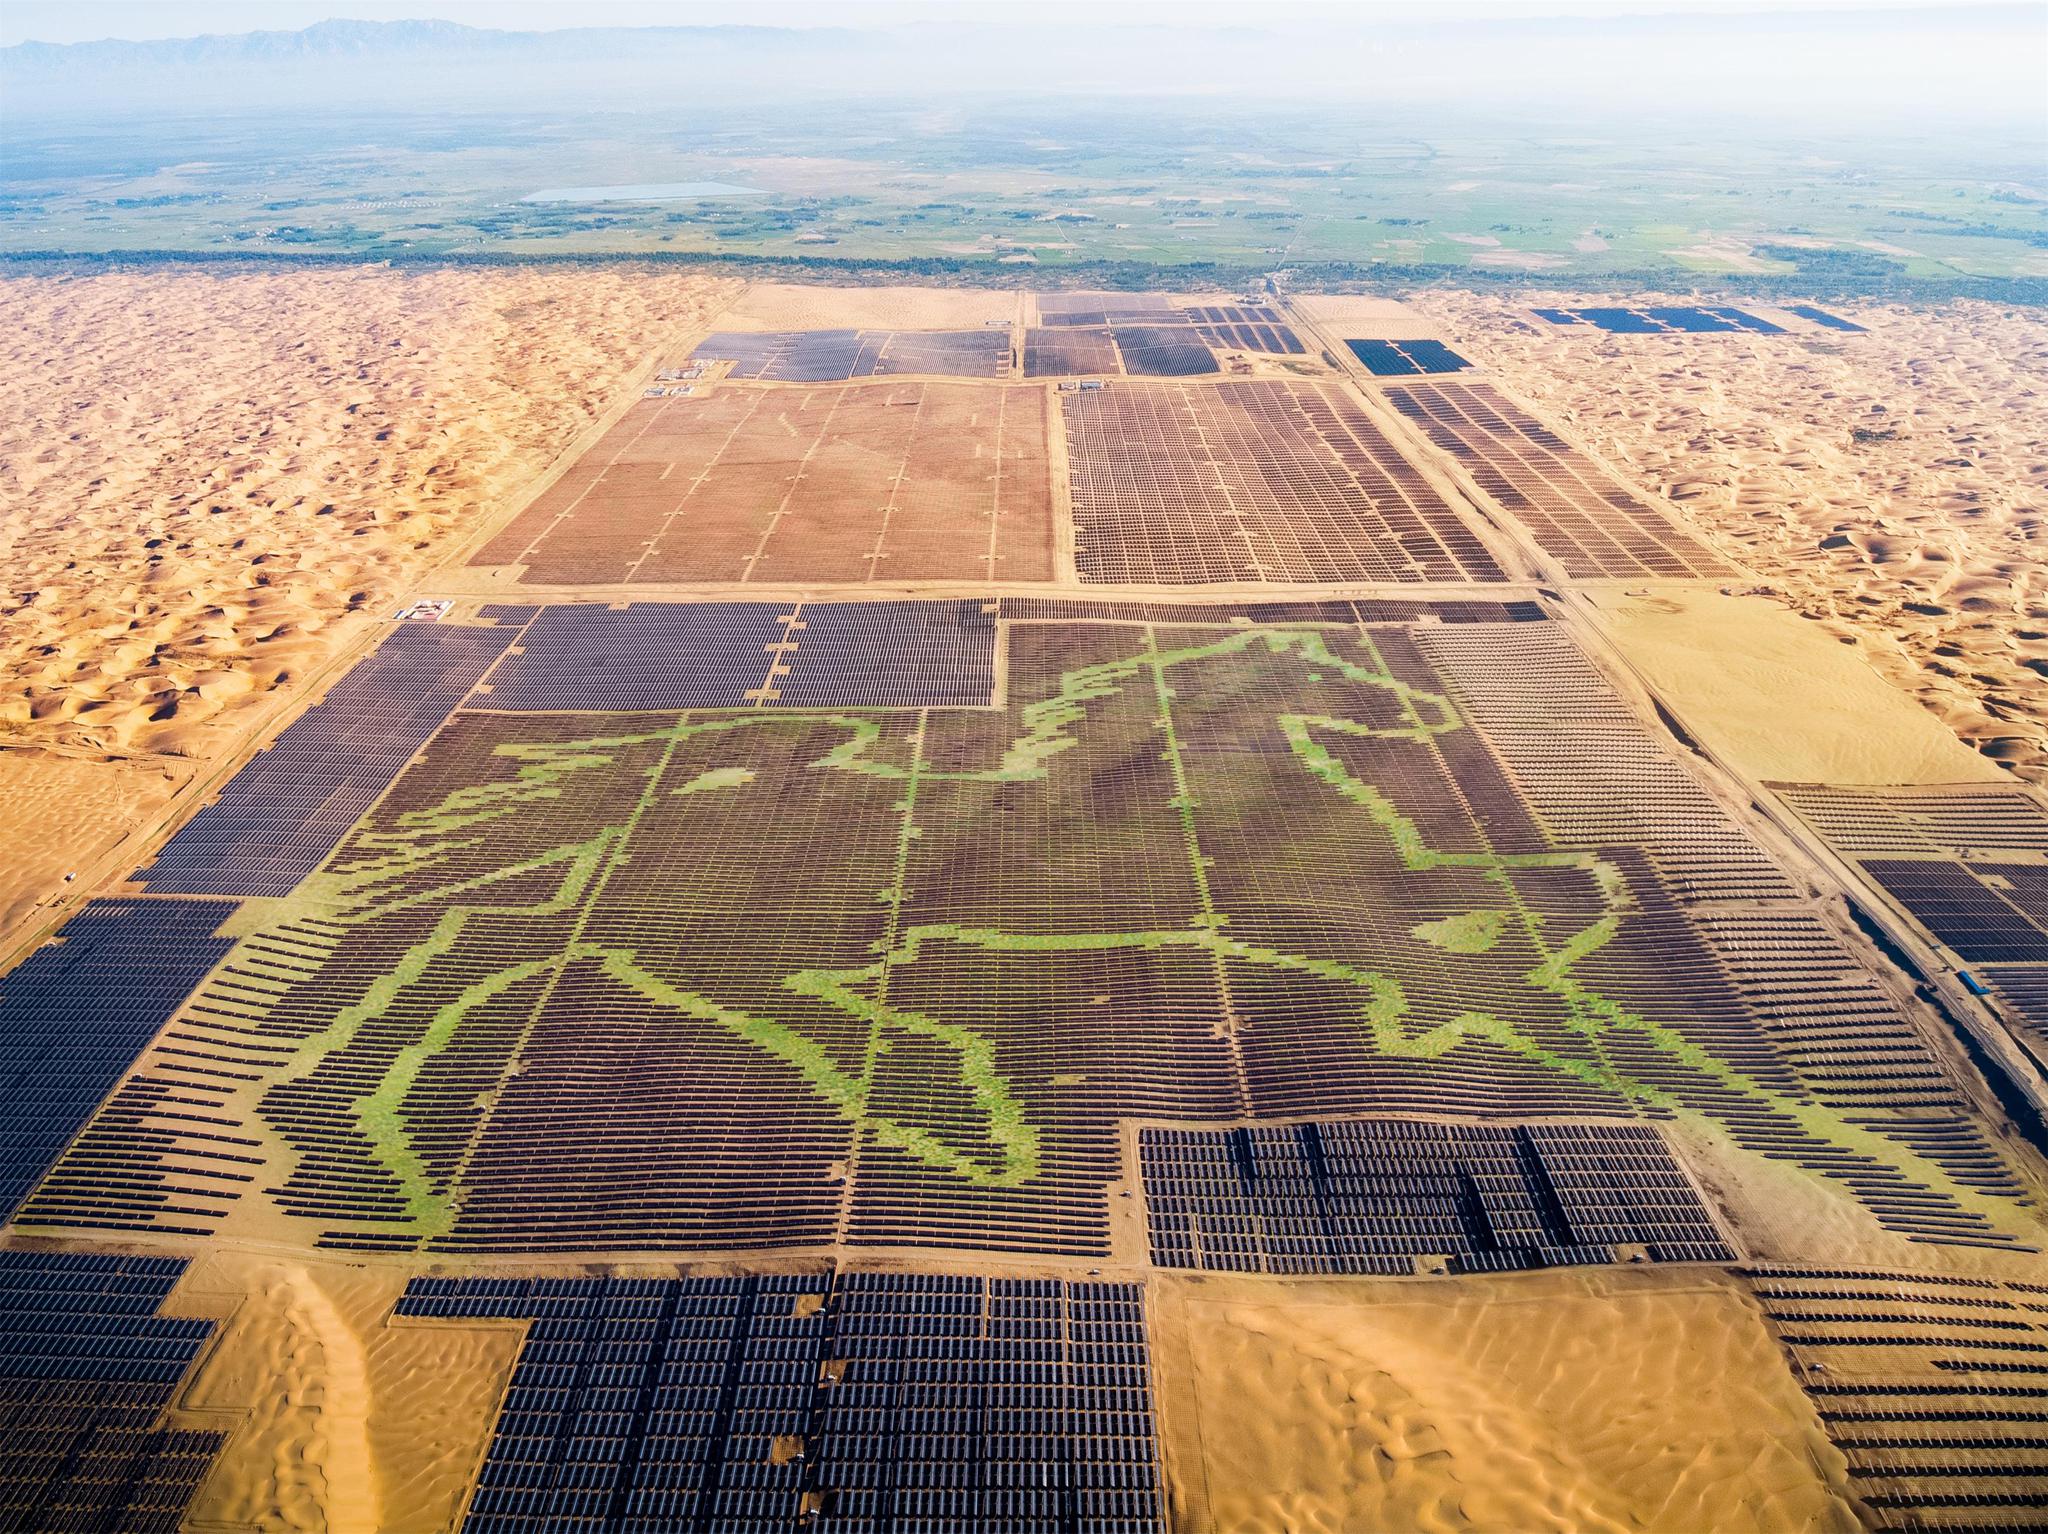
[281,815]
[1822,317]
[651,655]
[86,1372]
[891,655]
[76,1012]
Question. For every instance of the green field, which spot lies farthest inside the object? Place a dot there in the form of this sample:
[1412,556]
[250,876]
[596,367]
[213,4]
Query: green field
[1037,187]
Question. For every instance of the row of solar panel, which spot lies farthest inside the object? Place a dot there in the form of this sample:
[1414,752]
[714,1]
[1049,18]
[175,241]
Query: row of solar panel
[1394,359]
[1372,1195]
[86,1371]
[1659,319]
[736,1403]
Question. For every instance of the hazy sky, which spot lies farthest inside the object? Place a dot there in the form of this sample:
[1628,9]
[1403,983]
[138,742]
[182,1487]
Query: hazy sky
[71,21]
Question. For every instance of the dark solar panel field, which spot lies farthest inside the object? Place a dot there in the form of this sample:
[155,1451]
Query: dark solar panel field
[281,815]
[863,1402]
[77,1012]
[87,1370]
[830,356]
[1651,320]
[1395,359]
[1822,318]
[1252,481]
[856,483]
[1387,1195]
[855,965]
[1574,509]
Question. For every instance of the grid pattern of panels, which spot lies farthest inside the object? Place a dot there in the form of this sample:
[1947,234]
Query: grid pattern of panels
[1971,865]
[1394,359]
[670,656]
[1577,512]
[1822,318]
[1383,1195]
[1588,769]
[2024,991]
[86,1371]
[871,1403]
[1973,824]
[910,481]
[77,1012]
[1245,327]
[887,655]
[1935,1388]
[832,356]
[1059,353]
[778,977]
[649,655]
[283,813]
[1650,320]
[1362,610]
[1251,481]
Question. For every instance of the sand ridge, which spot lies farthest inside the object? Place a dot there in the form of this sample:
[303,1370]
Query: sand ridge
[1890,486]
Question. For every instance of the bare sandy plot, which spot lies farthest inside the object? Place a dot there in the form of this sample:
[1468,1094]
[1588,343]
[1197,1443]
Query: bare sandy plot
[204,471]
[59,814]
[1891,485]
[856,482]
[1348,315]
[1779,699]
[801,306]
[1556,1402]
[338,1417]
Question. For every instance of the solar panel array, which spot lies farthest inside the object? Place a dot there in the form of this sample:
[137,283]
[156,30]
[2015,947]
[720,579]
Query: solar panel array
[910,481]
[668,656]
[1252,481]
[1576,511]
[1969,863]
[985,913]
[896,1403]
[1371,610]
[1394,359]
[1652,319]
[87,1370]
[1822,318]
[1933,1386]
[76,1013]
[1141,335]
[283,813]
[833,356]
[1386,1195]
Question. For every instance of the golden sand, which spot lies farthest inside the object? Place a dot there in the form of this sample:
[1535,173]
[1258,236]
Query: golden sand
[1553,1403]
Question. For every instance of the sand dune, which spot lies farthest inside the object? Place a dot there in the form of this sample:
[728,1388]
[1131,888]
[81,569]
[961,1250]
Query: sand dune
[1563,1402]
[60,812]
[202,473]
[1924,542]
